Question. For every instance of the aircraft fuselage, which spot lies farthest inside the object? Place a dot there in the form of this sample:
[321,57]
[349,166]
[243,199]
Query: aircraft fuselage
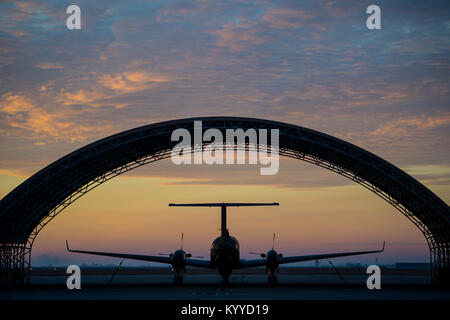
[225,255]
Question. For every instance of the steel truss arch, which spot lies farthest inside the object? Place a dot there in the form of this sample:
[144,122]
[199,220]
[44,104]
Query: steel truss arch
[33,204]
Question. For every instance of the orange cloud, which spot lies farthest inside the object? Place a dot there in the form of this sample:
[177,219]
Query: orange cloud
[410,125]
[105,88]
[49,65]
[128,82]
[14,103]
[25,114]
[22,113]
[80,97]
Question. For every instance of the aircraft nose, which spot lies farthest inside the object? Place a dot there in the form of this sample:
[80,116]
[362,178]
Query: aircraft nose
[178,257]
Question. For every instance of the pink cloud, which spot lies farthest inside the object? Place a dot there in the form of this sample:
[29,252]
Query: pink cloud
[238,37]
[286,18]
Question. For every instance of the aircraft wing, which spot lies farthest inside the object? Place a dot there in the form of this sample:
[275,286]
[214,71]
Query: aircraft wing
[124,255]
[326,256]
[199,263]
[251,263]
[160,259]
[262,262]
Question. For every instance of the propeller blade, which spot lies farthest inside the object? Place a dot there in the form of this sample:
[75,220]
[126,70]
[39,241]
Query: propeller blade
[182,238]
[251,252]
[273,241]
[163,254]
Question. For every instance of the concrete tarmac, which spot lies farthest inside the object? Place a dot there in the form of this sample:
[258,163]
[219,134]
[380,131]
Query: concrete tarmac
[243,286]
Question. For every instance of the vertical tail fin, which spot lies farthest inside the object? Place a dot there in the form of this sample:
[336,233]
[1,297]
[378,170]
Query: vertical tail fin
[224,232]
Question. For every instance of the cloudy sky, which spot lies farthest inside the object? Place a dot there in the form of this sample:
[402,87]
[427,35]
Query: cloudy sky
[310,63]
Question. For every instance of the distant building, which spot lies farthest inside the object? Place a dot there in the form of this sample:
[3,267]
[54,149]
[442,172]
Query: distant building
[413,265]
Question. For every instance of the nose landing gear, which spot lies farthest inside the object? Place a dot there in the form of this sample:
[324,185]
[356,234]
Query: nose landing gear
[272,279]
[178,279]
[226,279]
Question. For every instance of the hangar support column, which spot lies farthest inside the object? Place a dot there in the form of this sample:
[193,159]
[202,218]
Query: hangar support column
[14,264]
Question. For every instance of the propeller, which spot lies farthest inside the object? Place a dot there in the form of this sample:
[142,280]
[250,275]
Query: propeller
[171,254]
[263,255]
[182,238]
[188,255]
[273,241]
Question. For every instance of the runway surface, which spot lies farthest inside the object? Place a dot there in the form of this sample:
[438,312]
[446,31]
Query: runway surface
[292,285]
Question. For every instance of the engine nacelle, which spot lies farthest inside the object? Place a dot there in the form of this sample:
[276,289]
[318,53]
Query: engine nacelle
[273,259]
[179,259]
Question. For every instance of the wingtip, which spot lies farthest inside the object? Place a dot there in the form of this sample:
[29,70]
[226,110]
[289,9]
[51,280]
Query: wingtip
[384,244]
[67,245]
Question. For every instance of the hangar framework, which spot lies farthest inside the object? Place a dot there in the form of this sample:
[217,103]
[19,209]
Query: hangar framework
[29,207]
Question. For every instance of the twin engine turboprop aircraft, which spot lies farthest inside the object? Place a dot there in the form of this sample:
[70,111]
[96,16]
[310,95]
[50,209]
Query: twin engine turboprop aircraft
[224,252]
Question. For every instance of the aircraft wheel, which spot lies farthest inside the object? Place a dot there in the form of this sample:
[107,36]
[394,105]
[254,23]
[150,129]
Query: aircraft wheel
[178,279]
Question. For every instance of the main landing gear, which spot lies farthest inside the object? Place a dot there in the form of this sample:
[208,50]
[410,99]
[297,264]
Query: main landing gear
[272,279]
[226,279]
[178,279]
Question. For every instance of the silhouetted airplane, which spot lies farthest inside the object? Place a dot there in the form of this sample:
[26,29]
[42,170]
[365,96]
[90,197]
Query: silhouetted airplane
[225,251]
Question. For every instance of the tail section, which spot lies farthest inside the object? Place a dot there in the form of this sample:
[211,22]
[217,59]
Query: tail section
[223,206]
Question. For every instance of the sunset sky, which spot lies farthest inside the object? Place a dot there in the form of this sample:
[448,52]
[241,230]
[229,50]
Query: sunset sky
[309,63]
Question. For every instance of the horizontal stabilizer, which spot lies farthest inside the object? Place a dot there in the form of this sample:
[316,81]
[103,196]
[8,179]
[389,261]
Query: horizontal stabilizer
[222,204]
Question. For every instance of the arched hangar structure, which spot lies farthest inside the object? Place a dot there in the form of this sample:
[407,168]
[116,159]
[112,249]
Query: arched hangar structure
[35,202]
